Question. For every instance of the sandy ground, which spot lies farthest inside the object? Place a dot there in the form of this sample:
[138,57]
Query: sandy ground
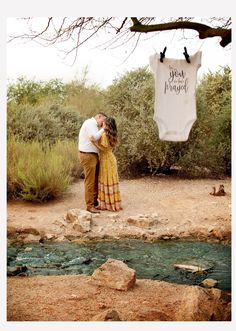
[77,298]
[186,205]
[184,208]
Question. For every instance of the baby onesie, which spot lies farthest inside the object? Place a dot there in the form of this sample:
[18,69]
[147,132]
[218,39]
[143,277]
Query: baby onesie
[175,95]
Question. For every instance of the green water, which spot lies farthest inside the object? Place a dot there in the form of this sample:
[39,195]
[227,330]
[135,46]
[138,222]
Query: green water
[151,260]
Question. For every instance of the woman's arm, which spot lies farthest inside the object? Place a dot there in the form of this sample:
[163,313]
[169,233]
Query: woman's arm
[96,143]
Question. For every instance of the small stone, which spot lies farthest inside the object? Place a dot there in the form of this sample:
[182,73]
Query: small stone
[13,271]
[101,305]
[60,223]
[108,315]
[165,237]
[209,282]
[28,249]
[49,236]
[60,239]
[114,216]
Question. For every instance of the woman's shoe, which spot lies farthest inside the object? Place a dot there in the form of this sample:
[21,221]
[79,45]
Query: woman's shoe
[93,210]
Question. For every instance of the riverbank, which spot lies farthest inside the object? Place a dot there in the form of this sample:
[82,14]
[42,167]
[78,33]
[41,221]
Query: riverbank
[153,208]
[161,208]
[77,298]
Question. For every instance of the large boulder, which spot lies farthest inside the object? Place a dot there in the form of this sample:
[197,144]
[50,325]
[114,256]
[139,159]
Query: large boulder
[199,304]
[115,274]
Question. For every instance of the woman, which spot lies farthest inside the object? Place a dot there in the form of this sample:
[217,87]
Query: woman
[108,181]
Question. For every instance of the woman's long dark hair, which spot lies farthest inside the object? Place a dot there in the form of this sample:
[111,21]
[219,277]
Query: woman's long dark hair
[111,131]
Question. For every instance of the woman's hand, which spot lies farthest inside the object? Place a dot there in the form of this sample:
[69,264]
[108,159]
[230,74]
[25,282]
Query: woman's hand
[92,139]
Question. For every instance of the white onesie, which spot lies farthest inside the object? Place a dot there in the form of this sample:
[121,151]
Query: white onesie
[175,98]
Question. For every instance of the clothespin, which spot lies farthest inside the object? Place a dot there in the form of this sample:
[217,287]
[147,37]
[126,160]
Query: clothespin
[162,54]
[186,55]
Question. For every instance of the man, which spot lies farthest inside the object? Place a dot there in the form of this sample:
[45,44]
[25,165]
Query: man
[89,158]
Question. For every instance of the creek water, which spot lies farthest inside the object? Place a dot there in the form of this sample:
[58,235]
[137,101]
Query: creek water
[151,260]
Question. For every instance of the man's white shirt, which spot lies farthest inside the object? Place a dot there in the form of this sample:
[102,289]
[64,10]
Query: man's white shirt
[89,128]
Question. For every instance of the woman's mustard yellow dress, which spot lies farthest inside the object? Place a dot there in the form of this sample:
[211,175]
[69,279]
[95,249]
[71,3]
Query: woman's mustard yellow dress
[108,181]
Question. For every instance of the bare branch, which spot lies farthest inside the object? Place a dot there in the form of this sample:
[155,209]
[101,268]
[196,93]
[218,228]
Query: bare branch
[204,31]
[78,30]
[135,21]
[123,23]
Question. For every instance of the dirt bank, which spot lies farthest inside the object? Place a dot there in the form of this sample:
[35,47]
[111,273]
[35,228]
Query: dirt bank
[184,208]
[76,298]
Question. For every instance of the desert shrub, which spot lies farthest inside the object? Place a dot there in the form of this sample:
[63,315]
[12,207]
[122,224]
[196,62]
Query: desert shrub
[130,94]
[69,122]
[86,99]
[26,91]
[43,123]
[39,172]
[207,153]
[69,149]
[140,150]
[131,101]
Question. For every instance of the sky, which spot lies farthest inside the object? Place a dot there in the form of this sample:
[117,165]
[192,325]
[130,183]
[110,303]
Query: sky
[34,61]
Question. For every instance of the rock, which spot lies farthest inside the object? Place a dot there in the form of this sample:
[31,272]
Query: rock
[165,237]
[189,267]
[147,314]
[102,305]
[26,238]
[60,239]
[192,264]
[108,315]
[12,231]
[60,223]
[82,226]
[142,221]
[29,230]
[114,216]
[209,282]
[114,274]
[74,214]
[13,271]
[200,304]
[77,261]
[28,249]
[49,236]
[81,219]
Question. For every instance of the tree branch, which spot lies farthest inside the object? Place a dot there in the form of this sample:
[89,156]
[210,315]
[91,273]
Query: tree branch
[204,31]
[123,23]
[78,30]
